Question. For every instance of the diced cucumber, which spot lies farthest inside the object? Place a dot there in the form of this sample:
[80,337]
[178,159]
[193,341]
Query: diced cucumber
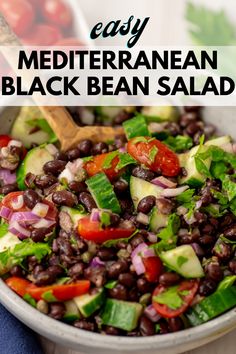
[160,113]
[157,220]
[136,126]
[75,214]
[187,160]
[103,193]
[227,282]
[121,314]
[183,260]
[222,140]
[72,312]
[139,188]
[22,131]
[88,304]
[212,306]
[33,162]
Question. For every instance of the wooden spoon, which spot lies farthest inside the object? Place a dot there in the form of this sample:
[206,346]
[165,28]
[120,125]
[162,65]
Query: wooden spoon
[60,120]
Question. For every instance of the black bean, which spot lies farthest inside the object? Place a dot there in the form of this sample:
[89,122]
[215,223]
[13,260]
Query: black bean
[85,324]
[97,275]
[208,229]
[99,148]
[227,220]
[146,204]
[57,310]
[119,292]
[64,198]
[32,262]
[120,186]
[126,205]
[173,128]
[201,217]
[121,117]
[232,266]
[146,327]
[116,268]
[55,270]
[143,173]
[230,233]
[206,240]
[8,188]
[214,272]
[193,128]
[85,147]
[76,270]
[126,279]
[144,286]
[164,205]
[112,331]
[38,235]
[194,109]
[222,250]
[45,278]
[45,181]
[77,187]
[187,119]
[65,247]
[207,287]
[175,324]
[114,219]
[169,278]
[61,156]
[136,240]
[73,154]
[106,254]
[164,328]
[31,198]
[134,294]
[54,260]
[54,167]
[16,271]
[87,200]
[206,196]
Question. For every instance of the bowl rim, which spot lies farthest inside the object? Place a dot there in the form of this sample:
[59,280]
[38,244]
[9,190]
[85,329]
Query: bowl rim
[71,336]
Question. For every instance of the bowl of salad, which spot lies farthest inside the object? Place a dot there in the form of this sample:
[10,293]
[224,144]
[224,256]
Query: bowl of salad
[124,246]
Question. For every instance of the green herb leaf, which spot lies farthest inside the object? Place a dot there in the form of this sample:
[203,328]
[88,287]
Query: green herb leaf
[227,282]
[43,125]
[201,167]
[157,328]
[124,160]
[206,23]
[3,229]
[28,298]
[112,243]
[105,219]
[152,154]
[109,158]
[110,284]
[229,187]
[170,298]
[136,126]
[186,196]
[49,297]
[179,143]
[168,235]
[181,260]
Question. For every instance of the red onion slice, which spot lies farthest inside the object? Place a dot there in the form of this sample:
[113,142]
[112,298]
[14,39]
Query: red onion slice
[151,313]
[152,237]
[67,175]
[148,252]
[40,210]
[44,223]
[143,218]
[16,229]
[5,213]
[25,216]
[51,149]
[7,177]
[163,182]
[173,192]
[136,258]
[95,215]
[75,166]
[96,262]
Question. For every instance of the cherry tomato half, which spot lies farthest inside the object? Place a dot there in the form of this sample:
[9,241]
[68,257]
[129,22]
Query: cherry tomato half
[19,285]
[57,12]
[96,165]
[155,155]
[186,291]
[58,292]
[42,35]
[4,140]
[19,14]
[91,230]
[153,268]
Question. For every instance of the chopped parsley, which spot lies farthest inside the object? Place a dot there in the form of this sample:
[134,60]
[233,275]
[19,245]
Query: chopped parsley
[124,160]
[110,284]
[152,154]
[179,143]
[3,229]
[181,260]
[28,298]
[108,159]
[167,235]
[105,218]
[171,297]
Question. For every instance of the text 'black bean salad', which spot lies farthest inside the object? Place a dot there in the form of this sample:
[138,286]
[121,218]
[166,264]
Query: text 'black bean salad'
[132,237]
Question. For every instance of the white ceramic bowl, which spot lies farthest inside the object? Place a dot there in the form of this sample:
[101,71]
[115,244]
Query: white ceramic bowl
[87,342]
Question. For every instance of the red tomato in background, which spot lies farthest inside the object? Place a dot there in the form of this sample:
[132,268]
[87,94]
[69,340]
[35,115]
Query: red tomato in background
[4,140]
[71,41]
[91,230]
[19,14]
[164,160]
[153,268]
[190,286]
[57,12]
[42,35]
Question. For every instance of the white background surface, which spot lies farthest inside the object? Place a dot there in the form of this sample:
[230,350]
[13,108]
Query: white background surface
[166,27]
